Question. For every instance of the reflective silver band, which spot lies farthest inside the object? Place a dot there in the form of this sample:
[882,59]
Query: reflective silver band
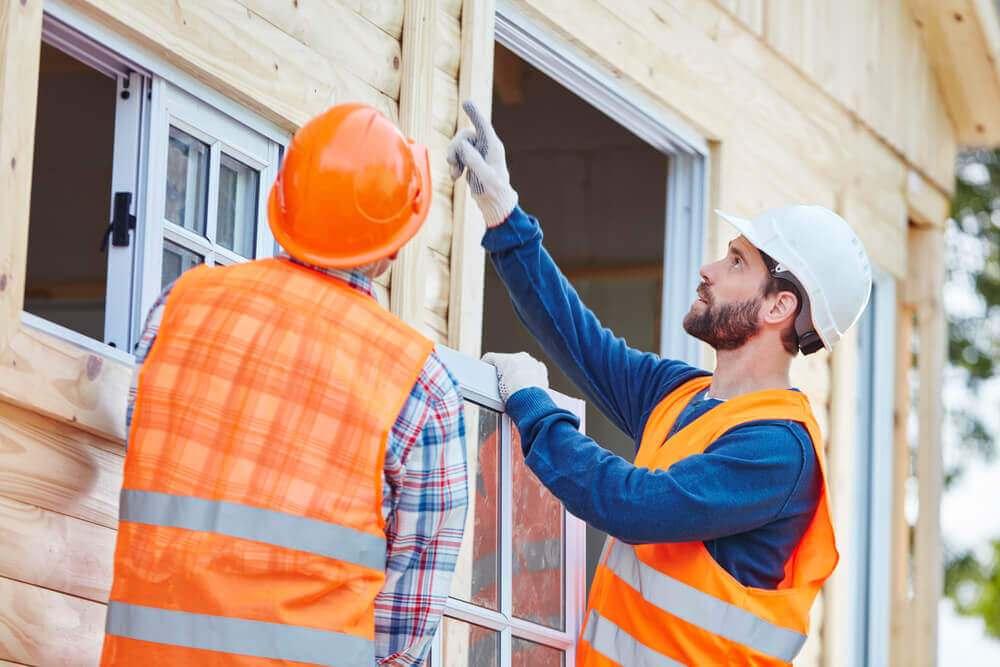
[703,610]
[253,523]
[614,643]
[239,636]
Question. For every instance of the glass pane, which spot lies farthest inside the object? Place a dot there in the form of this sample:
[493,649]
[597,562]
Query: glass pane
[476,573]
[67,278]
[177,260]
[237,222]
[526,653]
[538,546]
[187,181]
[467,645]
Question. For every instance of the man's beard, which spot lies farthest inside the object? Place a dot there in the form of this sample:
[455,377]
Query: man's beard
[725,327]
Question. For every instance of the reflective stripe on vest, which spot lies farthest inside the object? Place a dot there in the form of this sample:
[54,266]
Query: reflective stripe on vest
[254,523]
[239,636]
[700,609]
[611,641]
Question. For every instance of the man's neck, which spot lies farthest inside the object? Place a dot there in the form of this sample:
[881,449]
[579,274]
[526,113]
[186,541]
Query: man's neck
[756,366]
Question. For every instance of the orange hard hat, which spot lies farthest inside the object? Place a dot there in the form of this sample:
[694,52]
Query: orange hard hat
[352,189]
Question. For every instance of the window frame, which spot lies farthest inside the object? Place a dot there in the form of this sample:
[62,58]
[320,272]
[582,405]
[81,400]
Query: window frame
[687,151]
[173,106]
[77,382]
[870,564]
[478,384]
[159,95]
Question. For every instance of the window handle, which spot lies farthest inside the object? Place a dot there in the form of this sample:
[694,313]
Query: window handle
[121,222]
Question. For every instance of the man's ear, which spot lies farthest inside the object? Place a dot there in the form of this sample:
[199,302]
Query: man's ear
[782,307]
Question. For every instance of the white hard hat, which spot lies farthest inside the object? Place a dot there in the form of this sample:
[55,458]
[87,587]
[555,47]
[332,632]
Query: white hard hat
[824,257]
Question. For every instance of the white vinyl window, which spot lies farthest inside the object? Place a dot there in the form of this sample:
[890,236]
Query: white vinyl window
[517,596]
[187,181]
[869,565]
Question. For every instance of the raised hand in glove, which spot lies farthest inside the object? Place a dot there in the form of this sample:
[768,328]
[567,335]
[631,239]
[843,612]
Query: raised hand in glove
[478,152]
[517,371]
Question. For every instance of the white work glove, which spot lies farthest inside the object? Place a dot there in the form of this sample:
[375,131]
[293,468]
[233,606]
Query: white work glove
[517,371]
[478,152]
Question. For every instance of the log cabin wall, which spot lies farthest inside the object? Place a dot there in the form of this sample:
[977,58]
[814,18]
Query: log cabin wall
[832,102]
[62,414]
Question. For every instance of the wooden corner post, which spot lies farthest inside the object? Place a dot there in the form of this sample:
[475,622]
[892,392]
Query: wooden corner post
[915,601]
[416,105]
[20,45]
[475,82]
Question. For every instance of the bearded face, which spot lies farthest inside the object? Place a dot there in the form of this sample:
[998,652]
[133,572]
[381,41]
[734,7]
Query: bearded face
[725,326]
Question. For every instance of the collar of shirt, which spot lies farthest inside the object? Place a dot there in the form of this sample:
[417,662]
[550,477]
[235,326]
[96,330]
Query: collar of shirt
[353,277]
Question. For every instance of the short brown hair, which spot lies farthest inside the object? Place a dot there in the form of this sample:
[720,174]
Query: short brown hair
[773,285]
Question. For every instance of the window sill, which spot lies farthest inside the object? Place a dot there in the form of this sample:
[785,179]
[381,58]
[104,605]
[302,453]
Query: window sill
[83,383]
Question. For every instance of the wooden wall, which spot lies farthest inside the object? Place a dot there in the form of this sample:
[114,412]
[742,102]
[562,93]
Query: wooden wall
[60,474]
[798,103]
[821,101]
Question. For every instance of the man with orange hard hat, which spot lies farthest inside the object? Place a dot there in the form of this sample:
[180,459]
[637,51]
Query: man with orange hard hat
[295,482]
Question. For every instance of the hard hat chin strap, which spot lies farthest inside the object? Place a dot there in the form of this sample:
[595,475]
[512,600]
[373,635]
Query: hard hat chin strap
[809,340]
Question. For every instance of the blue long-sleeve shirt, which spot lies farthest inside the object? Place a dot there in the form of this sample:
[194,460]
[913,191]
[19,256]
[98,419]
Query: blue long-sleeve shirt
[749,496]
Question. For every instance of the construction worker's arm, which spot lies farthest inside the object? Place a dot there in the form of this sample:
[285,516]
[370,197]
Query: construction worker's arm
[426,501]
[752,476]
[623,383]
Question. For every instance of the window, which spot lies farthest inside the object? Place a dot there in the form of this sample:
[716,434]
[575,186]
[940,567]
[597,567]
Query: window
[517,596]
[620,190]
[869,562]
[181,182]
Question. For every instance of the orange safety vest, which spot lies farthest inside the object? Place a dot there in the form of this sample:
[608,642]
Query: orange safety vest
[673,604]
[251,529]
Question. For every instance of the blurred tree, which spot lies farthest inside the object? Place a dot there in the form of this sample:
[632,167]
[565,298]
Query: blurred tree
[974,354]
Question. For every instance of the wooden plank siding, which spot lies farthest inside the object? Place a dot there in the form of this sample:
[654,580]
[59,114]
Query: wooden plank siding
[823,101]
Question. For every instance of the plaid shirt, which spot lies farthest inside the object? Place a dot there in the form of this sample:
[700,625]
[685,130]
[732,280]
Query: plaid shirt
[424,490]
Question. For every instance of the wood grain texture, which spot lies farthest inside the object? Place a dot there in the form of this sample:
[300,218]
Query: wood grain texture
[963,40]
[340,34]
[416,119]
[928,584]
[42,627]
[20,44]
[749,12]
[901,644]
[244,56]
[386,14]
[448,49]
[842,453]
[65,382]
[58,468]
[465,299]
[55,551]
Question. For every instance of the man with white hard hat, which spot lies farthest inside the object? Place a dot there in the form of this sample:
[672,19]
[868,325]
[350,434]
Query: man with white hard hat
[720,530]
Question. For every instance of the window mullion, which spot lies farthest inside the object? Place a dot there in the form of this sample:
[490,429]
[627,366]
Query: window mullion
[265,240]
[506,542]
[156,187]
[212,204]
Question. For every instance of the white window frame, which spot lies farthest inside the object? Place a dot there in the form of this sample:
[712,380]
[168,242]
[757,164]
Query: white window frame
[688,153]
[478,384]
[173,106]
[159,93]
[870,566]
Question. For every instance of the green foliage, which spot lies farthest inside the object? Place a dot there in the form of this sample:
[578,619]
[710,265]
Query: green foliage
[973,344]
[974,348]
[975,587]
